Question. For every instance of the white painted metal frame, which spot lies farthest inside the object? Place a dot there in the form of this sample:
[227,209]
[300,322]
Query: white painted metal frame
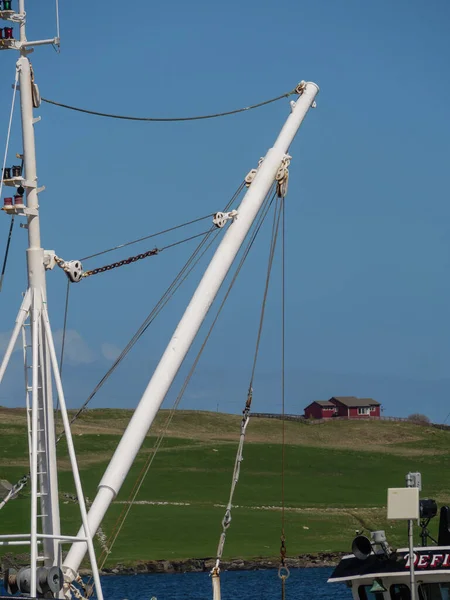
[42,338]
[190,324]
[44,366]
[72,455]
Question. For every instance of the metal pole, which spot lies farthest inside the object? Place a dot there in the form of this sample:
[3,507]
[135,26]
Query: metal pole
[189,325]
[35,322]
[72,455]
[411,560]
[37,284]
[21,317]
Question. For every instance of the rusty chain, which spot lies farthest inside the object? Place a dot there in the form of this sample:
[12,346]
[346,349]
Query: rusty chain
[283,550]
[74,268]
[121,263]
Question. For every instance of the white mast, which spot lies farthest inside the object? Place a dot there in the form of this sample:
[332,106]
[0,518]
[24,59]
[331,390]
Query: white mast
[43,429]
[190,323]
[45,536]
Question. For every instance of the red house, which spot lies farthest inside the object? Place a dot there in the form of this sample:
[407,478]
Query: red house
[320,409]
[349,407]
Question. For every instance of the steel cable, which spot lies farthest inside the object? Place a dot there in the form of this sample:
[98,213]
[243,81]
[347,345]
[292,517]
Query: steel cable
[170,119]
[168,294]
[226,521]
[5,259]
[138,484]
[146,237]
[183,274]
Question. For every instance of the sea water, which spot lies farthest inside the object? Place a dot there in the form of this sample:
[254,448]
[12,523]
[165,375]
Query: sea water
[303,584]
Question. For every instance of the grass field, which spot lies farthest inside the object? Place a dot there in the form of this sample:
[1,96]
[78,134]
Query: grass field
[336,479]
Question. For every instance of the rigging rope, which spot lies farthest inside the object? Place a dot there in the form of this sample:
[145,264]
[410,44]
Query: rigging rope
[14,490]
[183,274]
[5,259]
[171,119]
[283,571]
[63,343]
[147,237]
[283,352]
[174,286]
[132,259]
[9,129]
[226,521]
[181,277]
[5,158]
[139,481]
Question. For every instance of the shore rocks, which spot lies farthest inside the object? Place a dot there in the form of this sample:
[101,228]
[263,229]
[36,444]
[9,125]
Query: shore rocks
[197,565]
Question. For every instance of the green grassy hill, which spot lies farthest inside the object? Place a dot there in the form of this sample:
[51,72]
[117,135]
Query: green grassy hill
[336,479]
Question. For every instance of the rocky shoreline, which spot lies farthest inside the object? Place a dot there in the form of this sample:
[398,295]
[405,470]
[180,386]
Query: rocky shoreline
[196,565]
[199,565]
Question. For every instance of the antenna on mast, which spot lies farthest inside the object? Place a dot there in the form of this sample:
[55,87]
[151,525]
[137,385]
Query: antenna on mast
[44,575]
[58,42]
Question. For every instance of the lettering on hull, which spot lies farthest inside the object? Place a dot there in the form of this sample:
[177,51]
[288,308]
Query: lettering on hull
[425,561]
[429,560]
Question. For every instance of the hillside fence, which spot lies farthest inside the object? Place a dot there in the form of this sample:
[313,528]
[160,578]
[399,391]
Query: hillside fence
[302,419]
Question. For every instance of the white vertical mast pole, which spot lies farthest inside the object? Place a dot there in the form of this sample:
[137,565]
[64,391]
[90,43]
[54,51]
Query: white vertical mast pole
[189,325]
[36,282]
[35,317]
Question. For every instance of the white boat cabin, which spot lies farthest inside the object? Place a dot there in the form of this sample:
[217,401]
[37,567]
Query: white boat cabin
[388,578]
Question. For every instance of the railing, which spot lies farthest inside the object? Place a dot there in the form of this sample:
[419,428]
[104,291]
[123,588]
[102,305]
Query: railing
[275,416]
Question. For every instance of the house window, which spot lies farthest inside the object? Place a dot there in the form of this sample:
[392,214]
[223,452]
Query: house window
[373,408]
[363,411]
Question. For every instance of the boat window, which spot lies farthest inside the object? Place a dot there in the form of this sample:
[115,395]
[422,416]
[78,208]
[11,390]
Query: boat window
[365,593]
[400,591]
[434,591]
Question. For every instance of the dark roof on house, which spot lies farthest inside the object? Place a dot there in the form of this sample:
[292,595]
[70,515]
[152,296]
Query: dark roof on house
[323,402]
[370,401]
[353,401]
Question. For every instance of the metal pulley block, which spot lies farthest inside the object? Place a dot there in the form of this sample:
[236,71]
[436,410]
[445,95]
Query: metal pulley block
[250,177]
[220,218]
[252,174]
[300,88]
[282,177]
[36,95]
[72,268]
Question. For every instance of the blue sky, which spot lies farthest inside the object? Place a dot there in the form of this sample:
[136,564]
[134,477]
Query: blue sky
[367,210]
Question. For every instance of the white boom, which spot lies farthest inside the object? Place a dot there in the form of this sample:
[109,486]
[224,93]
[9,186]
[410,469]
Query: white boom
[188,327]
